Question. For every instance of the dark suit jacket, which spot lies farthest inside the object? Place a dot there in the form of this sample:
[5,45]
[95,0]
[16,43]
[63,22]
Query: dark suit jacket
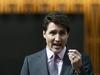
[36,64]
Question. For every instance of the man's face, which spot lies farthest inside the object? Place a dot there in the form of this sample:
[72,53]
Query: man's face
[56,37]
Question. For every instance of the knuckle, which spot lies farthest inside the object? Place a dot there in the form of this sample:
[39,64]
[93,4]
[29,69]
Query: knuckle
[75,51]
[72,54]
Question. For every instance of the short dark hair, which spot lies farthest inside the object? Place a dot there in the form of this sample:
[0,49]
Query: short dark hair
[57,18]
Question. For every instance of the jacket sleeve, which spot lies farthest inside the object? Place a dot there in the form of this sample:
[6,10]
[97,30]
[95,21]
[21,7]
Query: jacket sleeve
[87,68]
[25,70]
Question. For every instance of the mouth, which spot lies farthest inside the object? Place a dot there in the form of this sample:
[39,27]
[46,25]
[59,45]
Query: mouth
[57,45]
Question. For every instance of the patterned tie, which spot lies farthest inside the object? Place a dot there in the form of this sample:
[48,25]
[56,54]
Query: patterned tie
[53,69]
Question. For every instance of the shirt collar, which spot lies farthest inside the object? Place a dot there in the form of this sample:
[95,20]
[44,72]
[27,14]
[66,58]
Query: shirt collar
[50,53]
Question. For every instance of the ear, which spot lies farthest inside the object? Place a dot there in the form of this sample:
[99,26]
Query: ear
[44,34]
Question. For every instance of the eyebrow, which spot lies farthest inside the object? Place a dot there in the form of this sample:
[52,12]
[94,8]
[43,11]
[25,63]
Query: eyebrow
[60,30]
[63,30]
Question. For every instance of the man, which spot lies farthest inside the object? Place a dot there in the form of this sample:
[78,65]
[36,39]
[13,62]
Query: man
[65,61]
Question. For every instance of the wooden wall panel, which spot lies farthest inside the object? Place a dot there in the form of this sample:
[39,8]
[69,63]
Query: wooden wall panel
[91,32]
[1,6]
[11,6]
[61,5]
[44,6]
[77,6]
[27,6]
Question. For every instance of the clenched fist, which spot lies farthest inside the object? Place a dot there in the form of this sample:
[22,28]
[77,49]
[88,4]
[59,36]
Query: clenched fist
[76,60]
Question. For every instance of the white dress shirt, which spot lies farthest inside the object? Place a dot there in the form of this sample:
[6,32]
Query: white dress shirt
[59,61]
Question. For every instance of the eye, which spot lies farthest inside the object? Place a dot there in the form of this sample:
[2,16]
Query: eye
[62,33]
[53,33]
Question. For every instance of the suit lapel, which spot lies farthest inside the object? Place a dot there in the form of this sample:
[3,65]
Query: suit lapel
[66,67]
[42,63]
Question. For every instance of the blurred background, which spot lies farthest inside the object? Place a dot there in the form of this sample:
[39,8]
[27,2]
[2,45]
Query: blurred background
[21,30]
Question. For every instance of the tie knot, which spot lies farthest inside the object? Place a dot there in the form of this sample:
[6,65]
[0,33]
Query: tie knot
[55,56]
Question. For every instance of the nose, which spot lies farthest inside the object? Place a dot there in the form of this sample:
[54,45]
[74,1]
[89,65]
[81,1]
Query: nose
[57,38]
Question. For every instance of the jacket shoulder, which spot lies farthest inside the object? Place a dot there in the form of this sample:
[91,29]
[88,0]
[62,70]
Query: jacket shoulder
[84,56]
[35,56]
